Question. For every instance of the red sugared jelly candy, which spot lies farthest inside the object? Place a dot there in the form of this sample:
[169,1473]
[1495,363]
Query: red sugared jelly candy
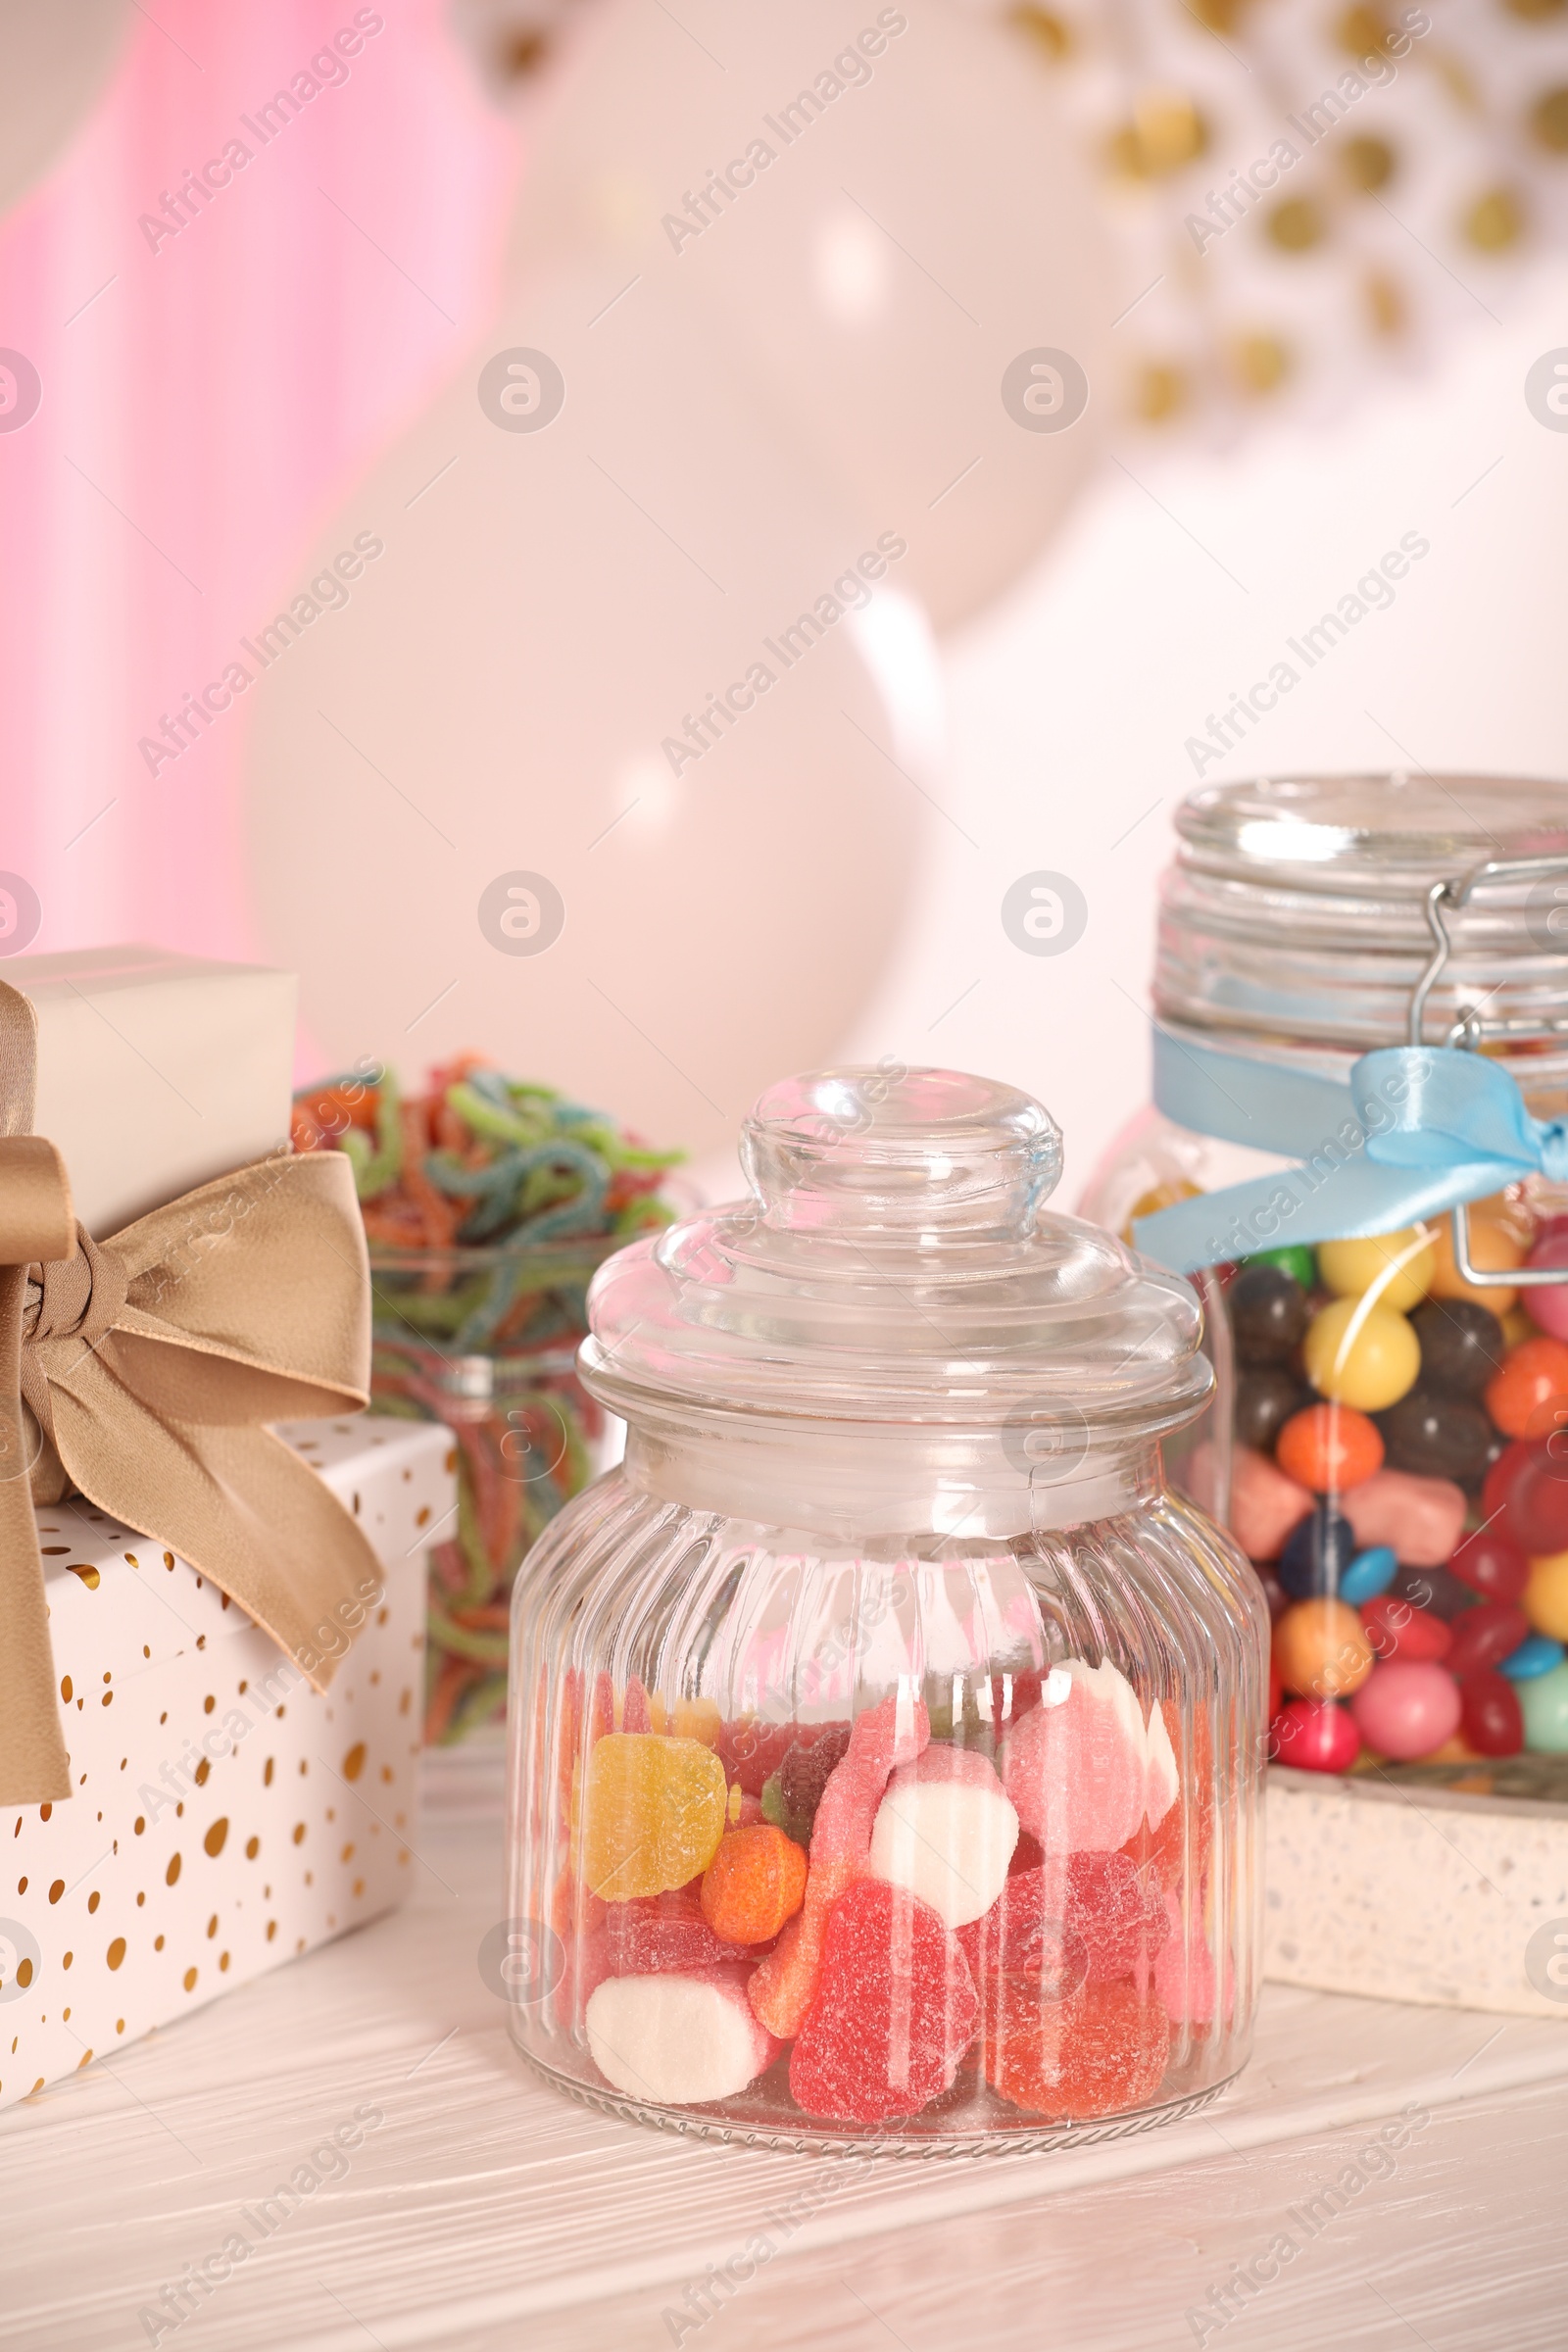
[1118,1913]
[1315,1735]
[1397,1629]
[1483,1636]
[895,2010]
[1100,2052]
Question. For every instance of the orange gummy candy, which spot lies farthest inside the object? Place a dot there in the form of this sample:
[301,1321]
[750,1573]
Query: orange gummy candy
[753,1884]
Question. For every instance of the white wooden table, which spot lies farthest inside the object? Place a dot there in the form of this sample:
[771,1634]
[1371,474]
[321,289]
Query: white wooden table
[484,2212]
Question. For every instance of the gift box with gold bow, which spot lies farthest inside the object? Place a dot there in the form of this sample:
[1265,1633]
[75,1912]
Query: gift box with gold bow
[141,1376]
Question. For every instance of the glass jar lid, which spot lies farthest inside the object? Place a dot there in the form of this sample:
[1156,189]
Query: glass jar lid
[897,1264]
[1298,907]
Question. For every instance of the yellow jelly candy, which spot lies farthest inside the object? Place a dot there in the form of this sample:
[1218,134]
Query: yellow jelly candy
[653,1814]
[1499,1239]
[1396,1268]
[1544,1600]
[1361,1354]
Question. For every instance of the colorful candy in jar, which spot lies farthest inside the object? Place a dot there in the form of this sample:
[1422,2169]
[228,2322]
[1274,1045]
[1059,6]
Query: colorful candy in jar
[908,1940]
[1396,1482]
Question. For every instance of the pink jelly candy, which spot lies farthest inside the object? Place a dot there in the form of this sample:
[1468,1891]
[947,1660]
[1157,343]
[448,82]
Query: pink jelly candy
[1091,1917]
[1077,1768]
[895,2010]
[1183,1971]
[893,1732]
[1118,1914]
[677,2039]
[1422,1518]
[1265,1504]
[945,1831]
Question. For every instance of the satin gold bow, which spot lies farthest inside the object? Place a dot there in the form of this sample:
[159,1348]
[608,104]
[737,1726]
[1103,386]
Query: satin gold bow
[142,1370]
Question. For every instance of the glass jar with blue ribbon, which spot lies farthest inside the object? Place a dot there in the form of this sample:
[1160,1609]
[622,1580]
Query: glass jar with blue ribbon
[1357,1149]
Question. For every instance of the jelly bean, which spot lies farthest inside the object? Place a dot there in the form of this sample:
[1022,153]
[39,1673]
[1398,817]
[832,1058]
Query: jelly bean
[1499,1240]
[894,1731]
[1406,1708]
[1437,1591]
[1490,1714]
[1461,1345]
[1544,1704]
[946,1832]
[1266,1397]
[1268,1314]
[1329,1447]
[1528,1395]
[1317,1552]
[1423,1518]
[1536,1656]
[1525,1495]
[1077,1768]
[1484,1636]
[653,1811]
[1547,1306]
[1393,1268]
[1361,1354]
[1492,1563]
[1321,1649]
[677,2039]
[1098,2052]
[893,2012]
[1398,1630]
[1295,1260]
[755,1882]
[1368,1574]
[1545,1596]
[1314,1735]
[1437,1437]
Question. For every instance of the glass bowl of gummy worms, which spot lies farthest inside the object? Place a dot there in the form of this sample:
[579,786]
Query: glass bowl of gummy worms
[489,1203]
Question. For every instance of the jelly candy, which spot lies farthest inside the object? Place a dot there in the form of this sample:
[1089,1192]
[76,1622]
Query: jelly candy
[1545,1596]
[1407,1709]
[752,1752]
[945,1831]
[1266,1397]
[895,2010]
[1369,1574]
[1535,1655]
[1321,1649]
[1484,1636]
[1498,1239]
[1547,1306]
[1437,1590]
[1361,1355]
[654,1810]
[1525,1497]
[1296,1258]
[1077,1767]
[1265,1504]
[1268,1314]
[1526,1396]
[1422,1518]
[1396,1630]
[1118,1913]
[677,2039]
[1327,1446]
[893,1732]
[1183,1971]
[1007,1941]
[1437,1437]
[1316,1553]
[1492,1563]
[1461,1347]
[1490,1714]
[662,1934]
[1394,1269]
[1316,1735]
[1098,2052]
[753,1884]
[804,1773]
[1543,1703]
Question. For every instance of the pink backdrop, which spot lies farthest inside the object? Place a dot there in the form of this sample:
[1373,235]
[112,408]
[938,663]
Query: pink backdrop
[202,406]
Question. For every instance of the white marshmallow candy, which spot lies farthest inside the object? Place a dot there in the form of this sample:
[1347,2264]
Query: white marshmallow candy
[679,2040]
[945,1831]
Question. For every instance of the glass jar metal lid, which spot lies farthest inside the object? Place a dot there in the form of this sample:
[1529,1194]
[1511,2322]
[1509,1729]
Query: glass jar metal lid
[1296,907]
[897,1264]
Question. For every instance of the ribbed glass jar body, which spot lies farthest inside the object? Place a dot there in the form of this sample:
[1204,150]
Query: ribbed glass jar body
[824,1836]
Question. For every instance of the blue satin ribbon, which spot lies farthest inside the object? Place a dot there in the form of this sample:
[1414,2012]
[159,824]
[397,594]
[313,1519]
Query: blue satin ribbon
[1416,1130]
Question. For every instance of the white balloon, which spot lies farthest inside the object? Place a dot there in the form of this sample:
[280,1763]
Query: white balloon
[481,807]
[877,259]
[54,63]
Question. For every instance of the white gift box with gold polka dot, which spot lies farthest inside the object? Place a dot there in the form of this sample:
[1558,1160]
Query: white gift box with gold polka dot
[225,1816]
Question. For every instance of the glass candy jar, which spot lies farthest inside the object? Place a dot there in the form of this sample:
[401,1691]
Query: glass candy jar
[1361,1042]
[885,1735]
